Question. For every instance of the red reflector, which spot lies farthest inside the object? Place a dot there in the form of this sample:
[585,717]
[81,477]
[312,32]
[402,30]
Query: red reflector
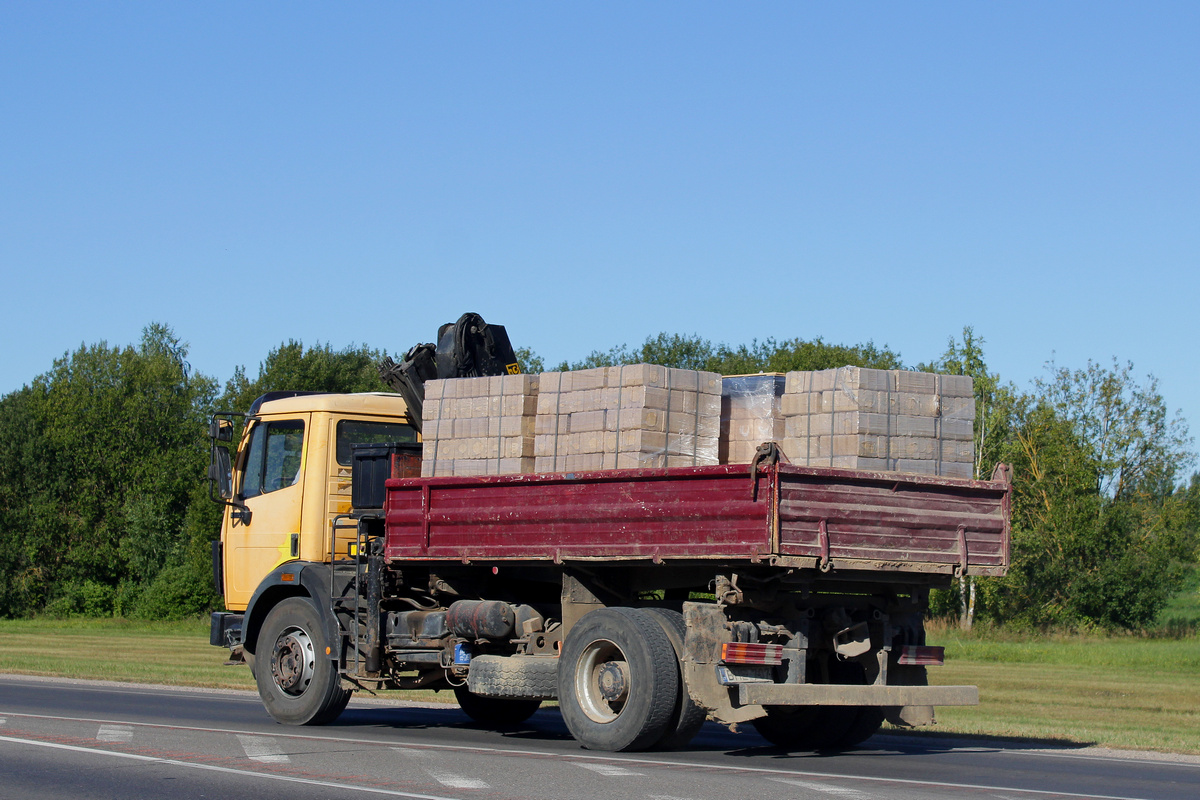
[750,653]
[920,656]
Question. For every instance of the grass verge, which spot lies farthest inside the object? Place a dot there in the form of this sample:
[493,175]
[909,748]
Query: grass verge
[1120,692]
[171,653]
[167,653]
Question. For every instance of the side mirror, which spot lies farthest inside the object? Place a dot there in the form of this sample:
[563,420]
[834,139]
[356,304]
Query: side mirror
[220,471]
[220,430]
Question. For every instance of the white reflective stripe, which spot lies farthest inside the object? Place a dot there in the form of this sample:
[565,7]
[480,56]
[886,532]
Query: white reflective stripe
[263,749]
[114,733]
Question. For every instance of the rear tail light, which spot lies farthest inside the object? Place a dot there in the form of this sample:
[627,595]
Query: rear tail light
[921,656]
[752,653]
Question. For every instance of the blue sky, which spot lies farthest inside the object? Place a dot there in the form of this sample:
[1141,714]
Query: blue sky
[590,174]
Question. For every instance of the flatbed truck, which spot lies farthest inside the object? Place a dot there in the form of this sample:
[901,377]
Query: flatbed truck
[644,601]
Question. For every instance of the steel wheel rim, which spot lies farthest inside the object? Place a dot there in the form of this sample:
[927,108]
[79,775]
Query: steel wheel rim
[602,681]
[293,661]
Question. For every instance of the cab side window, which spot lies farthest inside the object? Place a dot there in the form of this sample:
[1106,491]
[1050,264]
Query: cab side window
[352,431]
[273,461]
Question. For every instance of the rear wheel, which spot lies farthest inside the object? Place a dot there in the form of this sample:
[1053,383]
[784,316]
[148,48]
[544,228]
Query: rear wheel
[860,722]
[793,727]
[618,680]
[688,718]
[298,683]
[822,727]
[495,712]
[867,722]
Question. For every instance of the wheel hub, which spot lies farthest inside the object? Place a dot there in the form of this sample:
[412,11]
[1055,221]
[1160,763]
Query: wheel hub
[602,681]
[293,661]
[613,681]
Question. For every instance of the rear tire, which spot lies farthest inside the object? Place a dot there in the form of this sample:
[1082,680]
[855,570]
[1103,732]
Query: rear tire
[859,722]
[495,713]
[793,727]
[618,680]
[298,683]
[865,725]
[688,718]
[822,727]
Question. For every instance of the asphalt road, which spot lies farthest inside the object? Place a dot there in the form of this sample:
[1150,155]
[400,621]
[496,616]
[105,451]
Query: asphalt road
[63,739]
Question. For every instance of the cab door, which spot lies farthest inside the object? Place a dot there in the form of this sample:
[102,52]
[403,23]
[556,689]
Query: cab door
[265,531]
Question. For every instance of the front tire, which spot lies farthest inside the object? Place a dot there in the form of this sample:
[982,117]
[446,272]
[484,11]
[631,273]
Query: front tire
[298,683]
[618,680]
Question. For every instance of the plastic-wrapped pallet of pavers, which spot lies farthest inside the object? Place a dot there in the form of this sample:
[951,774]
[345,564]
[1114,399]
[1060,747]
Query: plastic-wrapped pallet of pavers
[873,419]
[750,414]
[626,417]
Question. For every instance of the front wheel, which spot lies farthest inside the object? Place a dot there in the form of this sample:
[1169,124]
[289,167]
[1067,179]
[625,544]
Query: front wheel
[298,683]
[618,680]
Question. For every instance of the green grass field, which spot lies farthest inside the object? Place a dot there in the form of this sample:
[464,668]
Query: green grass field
[174,653]
[1122,692]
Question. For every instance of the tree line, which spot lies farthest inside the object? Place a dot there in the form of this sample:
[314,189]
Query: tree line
[105,510]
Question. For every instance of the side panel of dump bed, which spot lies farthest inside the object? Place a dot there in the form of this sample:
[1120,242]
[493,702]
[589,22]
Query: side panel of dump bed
[854,520]
[878,520]
[704,512]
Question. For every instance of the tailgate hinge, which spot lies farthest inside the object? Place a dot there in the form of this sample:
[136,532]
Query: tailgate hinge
[961,569]
[767,454]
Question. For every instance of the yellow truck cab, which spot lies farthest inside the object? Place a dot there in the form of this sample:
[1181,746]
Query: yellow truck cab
[288,481]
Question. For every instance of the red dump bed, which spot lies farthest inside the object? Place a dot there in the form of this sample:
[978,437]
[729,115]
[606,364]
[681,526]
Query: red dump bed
[788,515]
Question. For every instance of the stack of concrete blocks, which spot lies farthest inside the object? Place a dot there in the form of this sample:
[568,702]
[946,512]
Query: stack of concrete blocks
[872,419]
[479,426]
[750,414]
[633,416]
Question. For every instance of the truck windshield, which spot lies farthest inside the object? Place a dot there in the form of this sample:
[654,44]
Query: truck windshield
[274,459]
[352,431]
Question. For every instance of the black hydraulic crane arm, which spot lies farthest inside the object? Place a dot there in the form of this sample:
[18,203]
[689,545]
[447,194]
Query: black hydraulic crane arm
[464,349]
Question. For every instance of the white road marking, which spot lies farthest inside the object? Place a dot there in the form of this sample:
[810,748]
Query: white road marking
[415,752]
[245,773]
[263,749]
[608,770]
[115,733]
[504,751]
[456,781]
[823,788]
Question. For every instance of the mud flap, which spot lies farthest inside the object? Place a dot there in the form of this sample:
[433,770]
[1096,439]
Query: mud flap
[701,657]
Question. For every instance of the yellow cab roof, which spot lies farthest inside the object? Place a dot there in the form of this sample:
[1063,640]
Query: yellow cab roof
[380,403]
